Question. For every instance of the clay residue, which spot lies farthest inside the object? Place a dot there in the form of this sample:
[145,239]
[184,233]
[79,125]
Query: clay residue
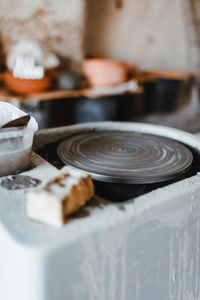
[58,181]
[85,211]
[18,182]
[119,4]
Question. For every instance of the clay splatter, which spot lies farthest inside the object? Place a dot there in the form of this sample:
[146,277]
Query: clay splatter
[18,182]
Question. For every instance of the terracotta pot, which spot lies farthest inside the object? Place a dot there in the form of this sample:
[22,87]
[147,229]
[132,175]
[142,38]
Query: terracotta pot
[104,72]
[27,86]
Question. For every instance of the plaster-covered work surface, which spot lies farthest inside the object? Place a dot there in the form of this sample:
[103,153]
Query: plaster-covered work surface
[144,248]
[151,33]
[148,250]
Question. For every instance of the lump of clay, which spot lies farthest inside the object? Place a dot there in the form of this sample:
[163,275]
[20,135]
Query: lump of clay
[62,196]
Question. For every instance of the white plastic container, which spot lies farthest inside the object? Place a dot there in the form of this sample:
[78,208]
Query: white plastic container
[15,142]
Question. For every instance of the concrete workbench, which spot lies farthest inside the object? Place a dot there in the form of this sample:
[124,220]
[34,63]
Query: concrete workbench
[145,248]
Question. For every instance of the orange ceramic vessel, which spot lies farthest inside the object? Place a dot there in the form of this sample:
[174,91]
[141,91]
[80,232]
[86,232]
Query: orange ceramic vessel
[104,72]
[26,86]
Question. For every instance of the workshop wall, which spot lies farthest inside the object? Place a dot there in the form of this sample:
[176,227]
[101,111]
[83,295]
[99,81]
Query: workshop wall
[56,25]
[151,33]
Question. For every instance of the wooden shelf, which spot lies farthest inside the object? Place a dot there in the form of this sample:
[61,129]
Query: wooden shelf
[6,95]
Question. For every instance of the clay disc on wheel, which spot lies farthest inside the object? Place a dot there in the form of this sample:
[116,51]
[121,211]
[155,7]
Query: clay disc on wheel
[126,157]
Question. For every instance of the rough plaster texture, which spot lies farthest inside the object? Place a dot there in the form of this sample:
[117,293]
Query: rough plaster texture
[56,25]
[148,248]
[149,33]
[152,34]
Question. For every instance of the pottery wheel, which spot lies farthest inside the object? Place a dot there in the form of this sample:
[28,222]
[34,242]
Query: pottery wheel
[126,157]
